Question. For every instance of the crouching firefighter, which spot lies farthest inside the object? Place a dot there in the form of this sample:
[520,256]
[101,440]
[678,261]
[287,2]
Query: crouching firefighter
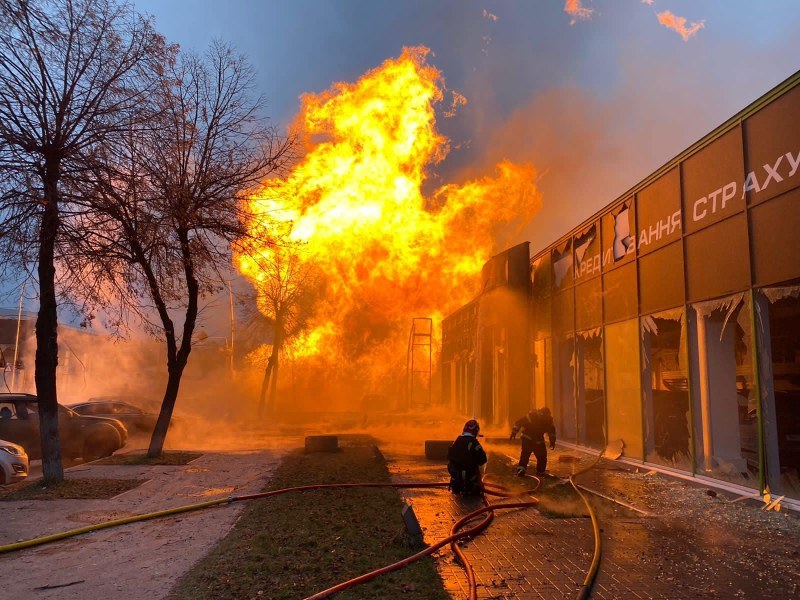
[532,428]
[466,456]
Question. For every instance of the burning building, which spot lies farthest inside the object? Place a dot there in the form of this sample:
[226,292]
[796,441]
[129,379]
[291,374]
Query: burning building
[669,320]
[358,207]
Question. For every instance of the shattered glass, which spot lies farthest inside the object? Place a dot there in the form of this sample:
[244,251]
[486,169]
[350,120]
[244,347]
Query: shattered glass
[590,388]
[665,390]
[562,264]
[726,411]
[784,336]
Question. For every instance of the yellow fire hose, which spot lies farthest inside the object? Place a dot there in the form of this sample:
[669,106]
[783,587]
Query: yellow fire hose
[583,594]
[108,524]
[588,581]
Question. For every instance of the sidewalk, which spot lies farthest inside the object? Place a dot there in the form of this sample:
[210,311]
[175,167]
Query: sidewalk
[692,545]
[140,560]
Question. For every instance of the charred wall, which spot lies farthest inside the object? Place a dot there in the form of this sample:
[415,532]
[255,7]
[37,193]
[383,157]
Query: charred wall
[485,344]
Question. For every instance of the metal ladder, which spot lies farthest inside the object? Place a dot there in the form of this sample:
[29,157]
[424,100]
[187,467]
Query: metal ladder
[419,368]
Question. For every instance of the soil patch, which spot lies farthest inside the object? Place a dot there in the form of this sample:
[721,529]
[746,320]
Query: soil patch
[166,459]
[72,489]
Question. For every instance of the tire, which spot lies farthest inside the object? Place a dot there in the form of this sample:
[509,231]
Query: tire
[98,447]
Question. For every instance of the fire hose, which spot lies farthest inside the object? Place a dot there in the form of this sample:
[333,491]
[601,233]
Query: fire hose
[455,533]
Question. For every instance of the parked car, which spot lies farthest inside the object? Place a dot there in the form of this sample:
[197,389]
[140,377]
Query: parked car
[13,462]
[81,436]
[135,419]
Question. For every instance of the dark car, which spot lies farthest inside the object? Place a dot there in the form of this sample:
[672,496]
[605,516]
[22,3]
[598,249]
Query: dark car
[135,419]
[81,436]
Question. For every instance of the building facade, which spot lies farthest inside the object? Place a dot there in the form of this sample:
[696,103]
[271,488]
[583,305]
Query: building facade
[671,319]
[485,358]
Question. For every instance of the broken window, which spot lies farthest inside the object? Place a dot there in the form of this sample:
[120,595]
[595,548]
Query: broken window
[590,388]
[779,324]
[623,386]
[541,305]
[587,253]
[619,235]
[665,390]
[565,413]
[564,334]
[562,264]
[623,240]
[543,374]
[725,403]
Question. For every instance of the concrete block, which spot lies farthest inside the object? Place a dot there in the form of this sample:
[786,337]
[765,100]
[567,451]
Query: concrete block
[322,443]
[437,449]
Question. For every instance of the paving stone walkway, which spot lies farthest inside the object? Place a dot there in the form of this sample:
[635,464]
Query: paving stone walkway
[526,554]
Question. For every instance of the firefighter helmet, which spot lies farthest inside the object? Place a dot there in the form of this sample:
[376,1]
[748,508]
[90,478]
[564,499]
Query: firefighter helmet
[472,427]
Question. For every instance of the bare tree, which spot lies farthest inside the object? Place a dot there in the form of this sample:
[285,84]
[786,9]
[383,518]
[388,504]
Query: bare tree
[165,218]
[72,73]
[287,288]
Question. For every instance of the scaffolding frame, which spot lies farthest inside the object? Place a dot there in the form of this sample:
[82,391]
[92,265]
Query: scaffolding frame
[421,336]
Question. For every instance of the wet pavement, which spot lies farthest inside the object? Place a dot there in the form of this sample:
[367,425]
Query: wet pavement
[683,542]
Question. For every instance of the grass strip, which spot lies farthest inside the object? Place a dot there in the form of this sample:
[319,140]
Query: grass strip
[294,545]
[72,489]
[166,459]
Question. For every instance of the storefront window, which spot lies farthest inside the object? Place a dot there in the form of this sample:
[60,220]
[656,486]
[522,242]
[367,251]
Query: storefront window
[623,386]
[543,374]
[665,390]
[561,259]
[726,411]
[564,328]
[590,388]
[565,416]
[781,331]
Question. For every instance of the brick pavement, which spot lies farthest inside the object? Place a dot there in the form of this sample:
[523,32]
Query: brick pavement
[522,554]
[525,554]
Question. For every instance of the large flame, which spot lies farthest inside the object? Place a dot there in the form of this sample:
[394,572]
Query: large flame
[356,207]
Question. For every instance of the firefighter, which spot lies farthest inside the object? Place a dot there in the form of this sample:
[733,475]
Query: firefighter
[466,456]
[532,428]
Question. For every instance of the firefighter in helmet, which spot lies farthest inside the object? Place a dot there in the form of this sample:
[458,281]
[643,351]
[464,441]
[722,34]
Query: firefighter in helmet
[532,428]
[466,457]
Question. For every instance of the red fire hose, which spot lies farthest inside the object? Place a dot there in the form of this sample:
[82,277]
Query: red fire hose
[455,533]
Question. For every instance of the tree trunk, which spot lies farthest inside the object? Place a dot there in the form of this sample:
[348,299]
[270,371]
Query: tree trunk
[47,334]
[167,406]
[277,343]
[262,397]
[273,387]
[177,358]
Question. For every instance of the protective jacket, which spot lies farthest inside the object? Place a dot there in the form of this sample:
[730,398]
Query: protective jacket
[467,451]
[534,425]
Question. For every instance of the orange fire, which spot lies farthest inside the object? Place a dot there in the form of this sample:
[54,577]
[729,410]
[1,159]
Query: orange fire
[354,206]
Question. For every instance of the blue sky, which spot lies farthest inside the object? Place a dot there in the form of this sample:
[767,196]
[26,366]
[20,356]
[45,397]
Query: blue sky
[595,105]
